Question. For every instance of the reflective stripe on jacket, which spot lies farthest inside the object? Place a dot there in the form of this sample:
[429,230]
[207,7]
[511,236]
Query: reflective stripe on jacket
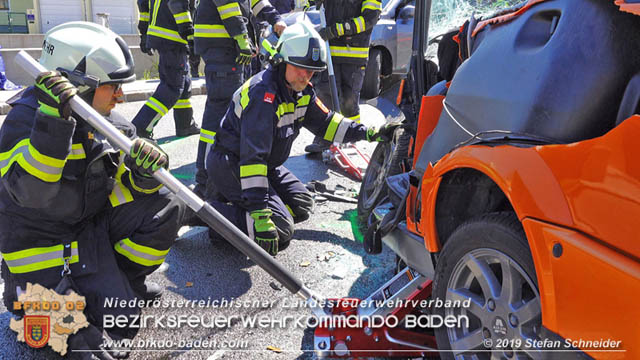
[218,21]
[354,20]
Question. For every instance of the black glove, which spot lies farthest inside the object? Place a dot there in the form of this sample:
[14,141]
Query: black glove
[328,33]
[192,48]
[319,4]
[143,45]
[384,134]
[148,157]
[266,233]
[91,338]
[53,92]
[186,30]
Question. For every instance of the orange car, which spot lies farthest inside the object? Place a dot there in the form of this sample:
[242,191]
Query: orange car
[524,189]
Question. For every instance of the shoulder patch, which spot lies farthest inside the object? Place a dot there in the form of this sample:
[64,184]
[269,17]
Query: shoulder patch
[269,97]
[321,105]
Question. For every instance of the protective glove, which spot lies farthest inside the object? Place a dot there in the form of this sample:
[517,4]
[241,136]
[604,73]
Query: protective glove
[91,338]
[186,30]
[143,45]
[53,92]
[244,58]
[266,234]
[319,4]
[328,33]
[385,133]
[148,157]
[192,48]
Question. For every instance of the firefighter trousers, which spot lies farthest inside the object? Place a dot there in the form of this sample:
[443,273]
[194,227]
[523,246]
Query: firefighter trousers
[349,78]
[289,199]
[174,91]
[223,77]
[112,252]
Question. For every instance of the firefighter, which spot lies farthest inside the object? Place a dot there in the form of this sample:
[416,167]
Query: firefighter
[75,212]
[166,26]
[225,39]
[255,191]
[348,30]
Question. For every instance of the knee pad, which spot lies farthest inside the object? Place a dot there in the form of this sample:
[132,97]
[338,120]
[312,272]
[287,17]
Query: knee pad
[300,205]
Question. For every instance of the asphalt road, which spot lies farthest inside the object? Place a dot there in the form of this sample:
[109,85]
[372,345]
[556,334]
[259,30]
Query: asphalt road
[324,253]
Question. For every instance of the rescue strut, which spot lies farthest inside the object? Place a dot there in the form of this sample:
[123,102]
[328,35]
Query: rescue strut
[205,211]
[332,75]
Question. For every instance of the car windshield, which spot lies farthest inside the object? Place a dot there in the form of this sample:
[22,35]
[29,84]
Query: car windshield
[447,15]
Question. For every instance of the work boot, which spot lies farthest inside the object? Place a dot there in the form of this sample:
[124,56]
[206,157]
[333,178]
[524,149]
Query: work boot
[193,129]
[318,145]
[149,291]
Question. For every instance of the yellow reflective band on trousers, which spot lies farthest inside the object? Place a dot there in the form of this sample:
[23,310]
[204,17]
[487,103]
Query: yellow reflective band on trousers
[182,104]
[371,5]
[333,127]
[182,17]
[144,16]
[140,254]
[229,10]
[210,31]
[207,136]
[165,34]
[352,52]
[360,24]
[77,152]
[253,170]
[120,194]
[34,259]
[157,106]
[43,167]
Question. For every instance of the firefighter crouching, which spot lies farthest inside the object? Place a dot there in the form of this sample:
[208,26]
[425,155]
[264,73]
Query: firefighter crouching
[253,189]
[76,213]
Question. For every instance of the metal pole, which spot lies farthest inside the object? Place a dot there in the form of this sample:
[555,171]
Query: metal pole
[205,211]
[332,75]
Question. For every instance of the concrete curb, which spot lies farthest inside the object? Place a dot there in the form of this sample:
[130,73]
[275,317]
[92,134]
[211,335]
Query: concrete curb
[198,88]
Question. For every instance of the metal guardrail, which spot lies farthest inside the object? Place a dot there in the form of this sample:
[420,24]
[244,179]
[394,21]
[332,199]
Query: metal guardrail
[13,23]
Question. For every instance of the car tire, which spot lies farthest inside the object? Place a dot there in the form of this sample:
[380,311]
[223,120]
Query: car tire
[385,161]
[372,80]
[474,264]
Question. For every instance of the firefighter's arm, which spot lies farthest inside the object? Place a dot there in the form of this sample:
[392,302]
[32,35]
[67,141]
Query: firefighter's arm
[263,10]
[143,17]
[330,125]
[369,15]
[33,155]
[231,16]
[256,138]
[182,16]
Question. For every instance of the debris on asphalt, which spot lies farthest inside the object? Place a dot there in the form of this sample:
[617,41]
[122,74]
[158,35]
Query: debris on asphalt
[305,264]
[275,286]
[339,272]
[216,355]
[274,349]
[189,284]
[326,256]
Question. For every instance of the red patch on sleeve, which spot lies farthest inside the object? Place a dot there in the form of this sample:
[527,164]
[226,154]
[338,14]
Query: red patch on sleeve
[322,106]
[269,97]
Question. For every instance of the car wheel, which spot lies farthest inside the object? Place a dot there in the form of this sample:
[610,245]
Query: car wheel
[488,261]
[373,71]
[385,161]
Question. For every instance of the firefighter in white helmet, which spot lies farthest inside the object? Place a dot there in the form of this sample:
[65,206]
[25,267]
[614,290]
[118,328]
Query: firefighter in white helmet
[82,215]
[252,187]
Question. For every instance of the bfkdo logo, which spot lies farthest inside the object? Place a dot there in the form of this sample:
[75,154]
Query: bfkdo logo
[36,330]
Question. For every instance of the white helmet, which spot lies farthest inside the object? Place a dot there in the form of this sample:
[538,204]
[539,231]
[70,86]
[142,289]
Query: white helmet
[88,54]
[301,45]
